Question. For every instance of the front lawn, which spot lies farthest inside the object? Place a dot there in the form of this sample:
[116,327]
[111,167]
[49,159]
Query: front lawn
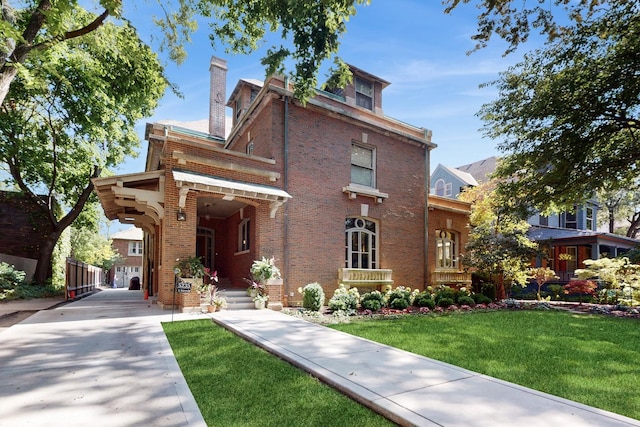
[236,383]
[586,358]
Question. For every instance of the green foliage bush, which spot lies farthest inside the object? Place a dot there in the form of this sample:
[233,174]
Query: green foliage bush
[445,302]
[313,296]
[10,277]
[399,293]
[424,299]
[399,303]
[481,299]
[372,300]
[466,300]
[344,300]
[444,292]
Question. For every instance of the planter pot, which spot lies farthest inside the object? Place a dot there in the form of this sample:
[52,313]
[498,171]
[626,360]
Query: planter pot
[260,304]
[212,308]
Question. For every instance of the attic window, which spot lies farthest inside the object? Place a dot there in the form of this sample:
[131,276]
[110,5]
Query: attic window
[364,93]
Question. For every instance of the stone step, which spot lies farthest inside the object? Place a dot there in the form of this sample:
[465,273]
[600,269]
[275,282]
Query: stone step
[237,299]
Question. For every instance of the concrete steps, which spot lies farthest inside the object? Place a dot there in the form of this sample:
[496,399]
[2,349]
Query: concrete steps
[237,299]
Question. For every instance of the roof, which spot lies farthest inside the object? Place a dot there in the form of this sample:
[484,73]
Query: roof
[465,177]
[132,233]
[568,235]
[481,169]
[228,187]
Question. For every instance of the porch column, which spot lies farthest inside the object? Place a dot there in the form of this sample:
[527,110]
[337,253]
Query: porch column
[595,251]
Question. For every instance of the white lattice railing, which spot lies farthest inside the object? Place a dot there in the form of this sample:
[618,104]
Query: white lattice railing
[362,277]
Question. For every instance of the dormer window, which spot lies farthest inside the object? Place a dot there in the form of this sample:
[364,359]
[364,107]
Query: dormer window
[364,93]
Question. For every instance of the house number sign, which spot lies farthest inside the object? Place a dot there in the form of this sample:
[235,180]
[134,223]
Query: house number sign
[183,287]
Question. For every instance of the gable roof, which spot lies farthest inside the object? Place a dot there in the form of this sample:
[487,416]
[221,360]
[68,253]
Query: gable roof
[481,169]
[463,176]
[132,233]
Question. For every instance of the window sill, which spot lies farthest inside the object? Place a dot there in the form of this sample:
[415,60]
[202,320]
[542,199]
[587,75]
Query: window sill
[242,252]
[354,190]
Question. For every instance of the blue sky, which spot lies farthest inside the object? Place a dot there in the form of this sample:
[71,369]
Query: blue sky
[411,43]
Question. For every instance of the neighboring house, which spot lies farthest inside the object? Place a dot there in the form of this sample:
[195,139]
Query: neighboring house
[20,228]
[568,238]
[333,189]
[128,243]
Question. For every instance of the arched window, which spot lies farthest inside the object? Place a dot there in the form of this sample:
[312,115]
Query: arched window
[446,249]
[361,243]
[440,187]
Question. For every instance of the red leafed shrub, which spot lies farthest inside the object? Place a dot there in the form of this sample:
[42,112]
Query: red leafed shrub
[586,287]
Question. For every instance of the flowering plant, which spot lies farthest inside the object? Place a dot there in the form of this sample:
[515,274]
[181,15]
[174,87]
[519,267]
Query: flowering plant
[189,267]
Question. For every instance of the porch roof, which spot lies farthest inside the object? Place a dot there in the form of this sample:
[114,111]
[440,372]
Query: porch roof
[229,189]
[570,236]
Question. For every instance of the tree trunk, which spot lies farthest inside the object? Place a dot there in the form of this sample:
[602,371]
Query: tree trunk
[6,77]
[632,231]
[44,268]
[612,222]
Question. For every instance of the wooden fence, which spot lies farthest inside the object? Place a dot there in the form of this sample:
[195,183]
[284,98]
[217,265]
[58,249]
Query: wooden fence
[81,279]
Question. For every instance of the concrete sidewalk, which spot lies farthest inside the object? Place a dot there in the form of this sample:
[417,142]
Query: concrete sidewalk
[409,389]
[100,361]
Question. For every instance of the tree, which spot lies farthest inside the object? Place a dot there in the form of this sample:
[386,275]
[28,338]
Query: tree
[618,274]
[93,248]
[621,204]
[71,115]
[567,116]
[541,275]
[312,27]
[498,245]
[514,22]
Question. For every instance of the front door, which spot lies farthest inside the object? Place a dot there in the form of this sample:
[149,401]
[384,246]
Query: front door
[205,247]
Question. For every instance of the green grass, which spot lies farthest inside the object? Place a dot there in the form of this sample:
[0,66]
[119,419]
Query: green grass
[237,384]
[586,358]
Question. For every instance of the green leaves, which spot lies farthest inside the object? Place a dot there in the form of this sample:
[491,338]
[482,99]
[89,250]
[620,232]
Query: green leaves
[567,116]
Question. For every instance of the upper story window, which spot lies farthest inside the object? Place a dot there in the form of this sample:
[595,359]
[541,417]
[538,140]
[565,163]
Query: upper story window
[238,108]
[570,220]
[364,93]
[544,220]
[363,161]
[446,249]
[135,248]
[443,189]
[589,222]
[249,148]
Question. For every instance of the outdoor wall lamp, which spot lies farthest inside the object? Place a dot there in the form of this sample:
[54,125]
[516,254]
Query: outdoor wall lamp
[181,216]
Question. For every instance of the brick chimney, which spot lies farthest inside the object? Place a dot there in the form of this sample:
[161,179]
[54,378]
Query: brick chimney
[217,96]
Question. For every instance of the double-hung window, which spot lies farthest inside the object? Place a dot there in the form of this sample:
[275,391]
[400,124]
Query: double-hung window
[363,161]
[135,248]
[364,93]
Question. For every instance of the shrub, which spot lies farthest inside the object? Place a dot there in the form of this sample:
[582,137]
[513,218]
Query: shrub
[372,300]
[399,303]
[555,291]
[481,299]
[444,292]
[399,293]
[445,302]
[466,300]
[424,299]
[9,276]
[313,296]
[344,299]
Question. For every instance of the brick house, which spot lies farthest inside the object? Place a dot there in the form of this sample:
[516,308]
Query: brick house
[128,243]
[334,190]
[567,238]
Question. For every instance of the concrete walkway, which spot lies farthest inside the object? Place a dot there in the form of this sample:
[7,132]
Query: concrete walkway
[101,361]
[105,361]
[409,389]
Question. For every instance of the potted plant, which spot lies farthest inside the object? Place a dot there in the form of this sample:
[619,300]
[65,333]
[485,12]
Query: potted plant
[265,273]
[216,301]
[264,269]
[189,267]
[260,301]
